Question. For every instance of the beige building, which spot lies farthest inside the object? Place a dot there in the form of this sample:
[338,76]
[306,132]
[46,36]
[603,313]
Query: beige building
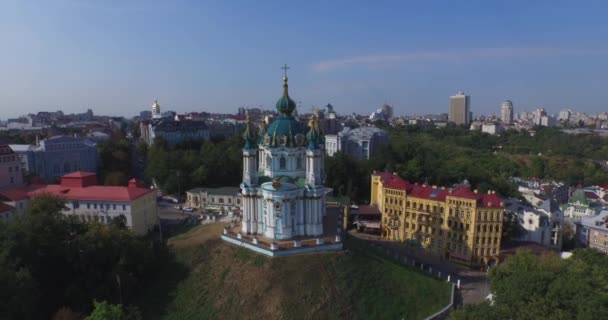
[592,232]
[458,224]
[224,198]
[460,112]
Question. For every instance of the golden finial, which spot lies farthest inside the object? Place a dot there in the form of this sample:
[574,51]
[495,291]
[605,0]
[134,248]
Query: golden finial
[276,184]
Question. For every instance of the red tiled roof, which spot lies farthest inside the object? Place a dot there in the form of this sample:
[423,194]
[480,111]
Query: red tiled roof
[393,181]
[79,174]
[466,193]
[491,201]
[20,193]
[591,195]
[102,193]
[5,207]
[79,191]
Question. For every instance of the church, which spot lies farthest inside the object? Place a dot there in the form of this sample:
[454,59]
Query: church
[283,173]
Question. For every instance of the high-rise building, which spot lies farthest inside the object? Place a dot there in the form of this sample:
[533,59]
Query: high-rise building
[538,116]
[564,115]
[506,112]
[460,112]
[458,224]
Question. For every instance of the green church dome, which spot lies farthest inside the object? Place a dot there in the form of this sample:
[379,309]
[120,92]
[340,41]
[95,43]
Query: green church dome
[285,131]
[285,105]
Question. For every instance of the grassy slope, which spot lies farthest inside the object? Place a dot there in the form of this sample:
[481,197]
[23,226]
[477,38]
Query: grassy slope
[211,279]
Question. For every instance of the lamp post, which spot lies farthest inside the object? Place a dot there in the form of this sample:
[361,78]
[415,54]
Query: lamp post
[119,288]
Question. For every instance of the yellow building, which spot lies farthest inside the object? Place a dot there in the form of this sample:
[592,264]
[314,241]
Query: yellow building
[458,224]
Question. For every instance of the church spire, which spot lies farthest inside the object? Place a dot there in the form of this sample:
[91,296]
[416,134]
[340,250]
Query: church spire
[314,135]
[249,134]
[285,105]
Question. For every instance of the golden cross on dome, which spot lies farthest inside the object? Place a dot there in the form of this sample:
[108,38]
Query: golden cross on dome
[285,68]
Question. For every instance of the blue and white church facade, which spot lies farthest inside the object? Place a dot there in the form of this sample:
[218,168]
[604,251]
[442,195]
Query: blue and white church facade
[283,175]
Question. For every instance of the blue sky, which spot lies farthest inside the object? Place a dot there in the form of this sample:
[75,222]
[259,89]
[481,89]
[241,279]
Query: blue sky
[118,56]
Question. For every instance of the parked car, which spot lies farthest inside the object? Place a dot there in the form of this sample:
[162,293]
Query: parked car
[189,209]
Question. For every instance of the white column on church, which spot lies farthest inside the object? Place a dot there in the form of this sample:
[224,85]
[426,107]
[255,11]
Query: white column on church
[246,214]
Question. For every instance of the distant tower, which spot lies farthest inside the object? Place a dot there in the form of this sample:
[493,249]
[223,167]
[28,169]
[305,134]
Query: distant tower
[506,112]
[460,112]
[156,110]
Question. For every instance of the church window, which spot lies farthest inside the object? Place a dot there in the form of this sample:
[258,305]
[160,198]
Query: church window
[282,163]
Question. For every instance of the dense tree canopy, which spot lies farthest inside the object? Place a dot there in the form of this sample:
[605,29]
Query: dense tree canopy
[449,155]
[530,287]
[115,160]
[49,260]
[188,165]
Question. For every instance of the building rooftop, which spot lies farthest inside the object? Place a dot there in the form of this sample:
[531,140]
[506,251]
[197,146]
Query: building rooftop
[596,222]
[79,191]
[5,207]
[392,180]
[5,149]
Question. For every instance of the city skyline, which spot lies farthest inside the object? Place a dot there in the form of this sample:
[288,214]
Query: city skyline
[117,58]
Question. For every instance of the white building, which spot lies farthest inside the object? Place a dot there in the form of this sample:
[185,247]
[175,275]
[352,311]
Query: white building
[360,143]
[283,175]
[579,206]
[543,225]
[226,199]
[506,112]
[90,202]
[492,128]
[564,115]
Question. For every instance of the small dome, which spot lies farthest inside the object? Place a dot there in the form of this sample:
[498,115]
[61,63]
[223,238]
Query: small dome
[285,106]
[156,106]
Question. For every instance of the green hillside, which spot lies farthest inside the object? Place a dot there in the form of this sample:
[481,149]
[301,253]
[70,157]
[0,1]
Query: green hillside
[210,279]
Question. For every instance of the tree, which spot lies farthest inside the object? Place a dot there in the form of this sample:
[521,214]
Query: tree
[546,287]
[50,260]
[106,311]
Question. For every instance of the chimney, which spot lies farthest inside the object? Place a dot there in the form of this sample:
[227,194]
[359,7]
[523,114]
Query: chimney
[475,191]
[489,192]
[394,173]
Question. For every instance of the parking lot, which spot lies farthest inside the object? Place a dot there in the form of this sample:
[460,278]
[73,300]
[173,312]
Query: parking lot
[169,214]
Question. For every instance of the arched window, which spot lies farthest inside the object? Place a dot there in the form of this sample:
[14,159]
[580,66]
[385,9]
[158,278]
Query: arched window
[268,161]
[299,162]
[282,163]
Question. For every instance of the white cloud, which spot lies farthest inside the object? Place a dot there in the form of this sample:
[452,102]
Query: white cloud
[478,53]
